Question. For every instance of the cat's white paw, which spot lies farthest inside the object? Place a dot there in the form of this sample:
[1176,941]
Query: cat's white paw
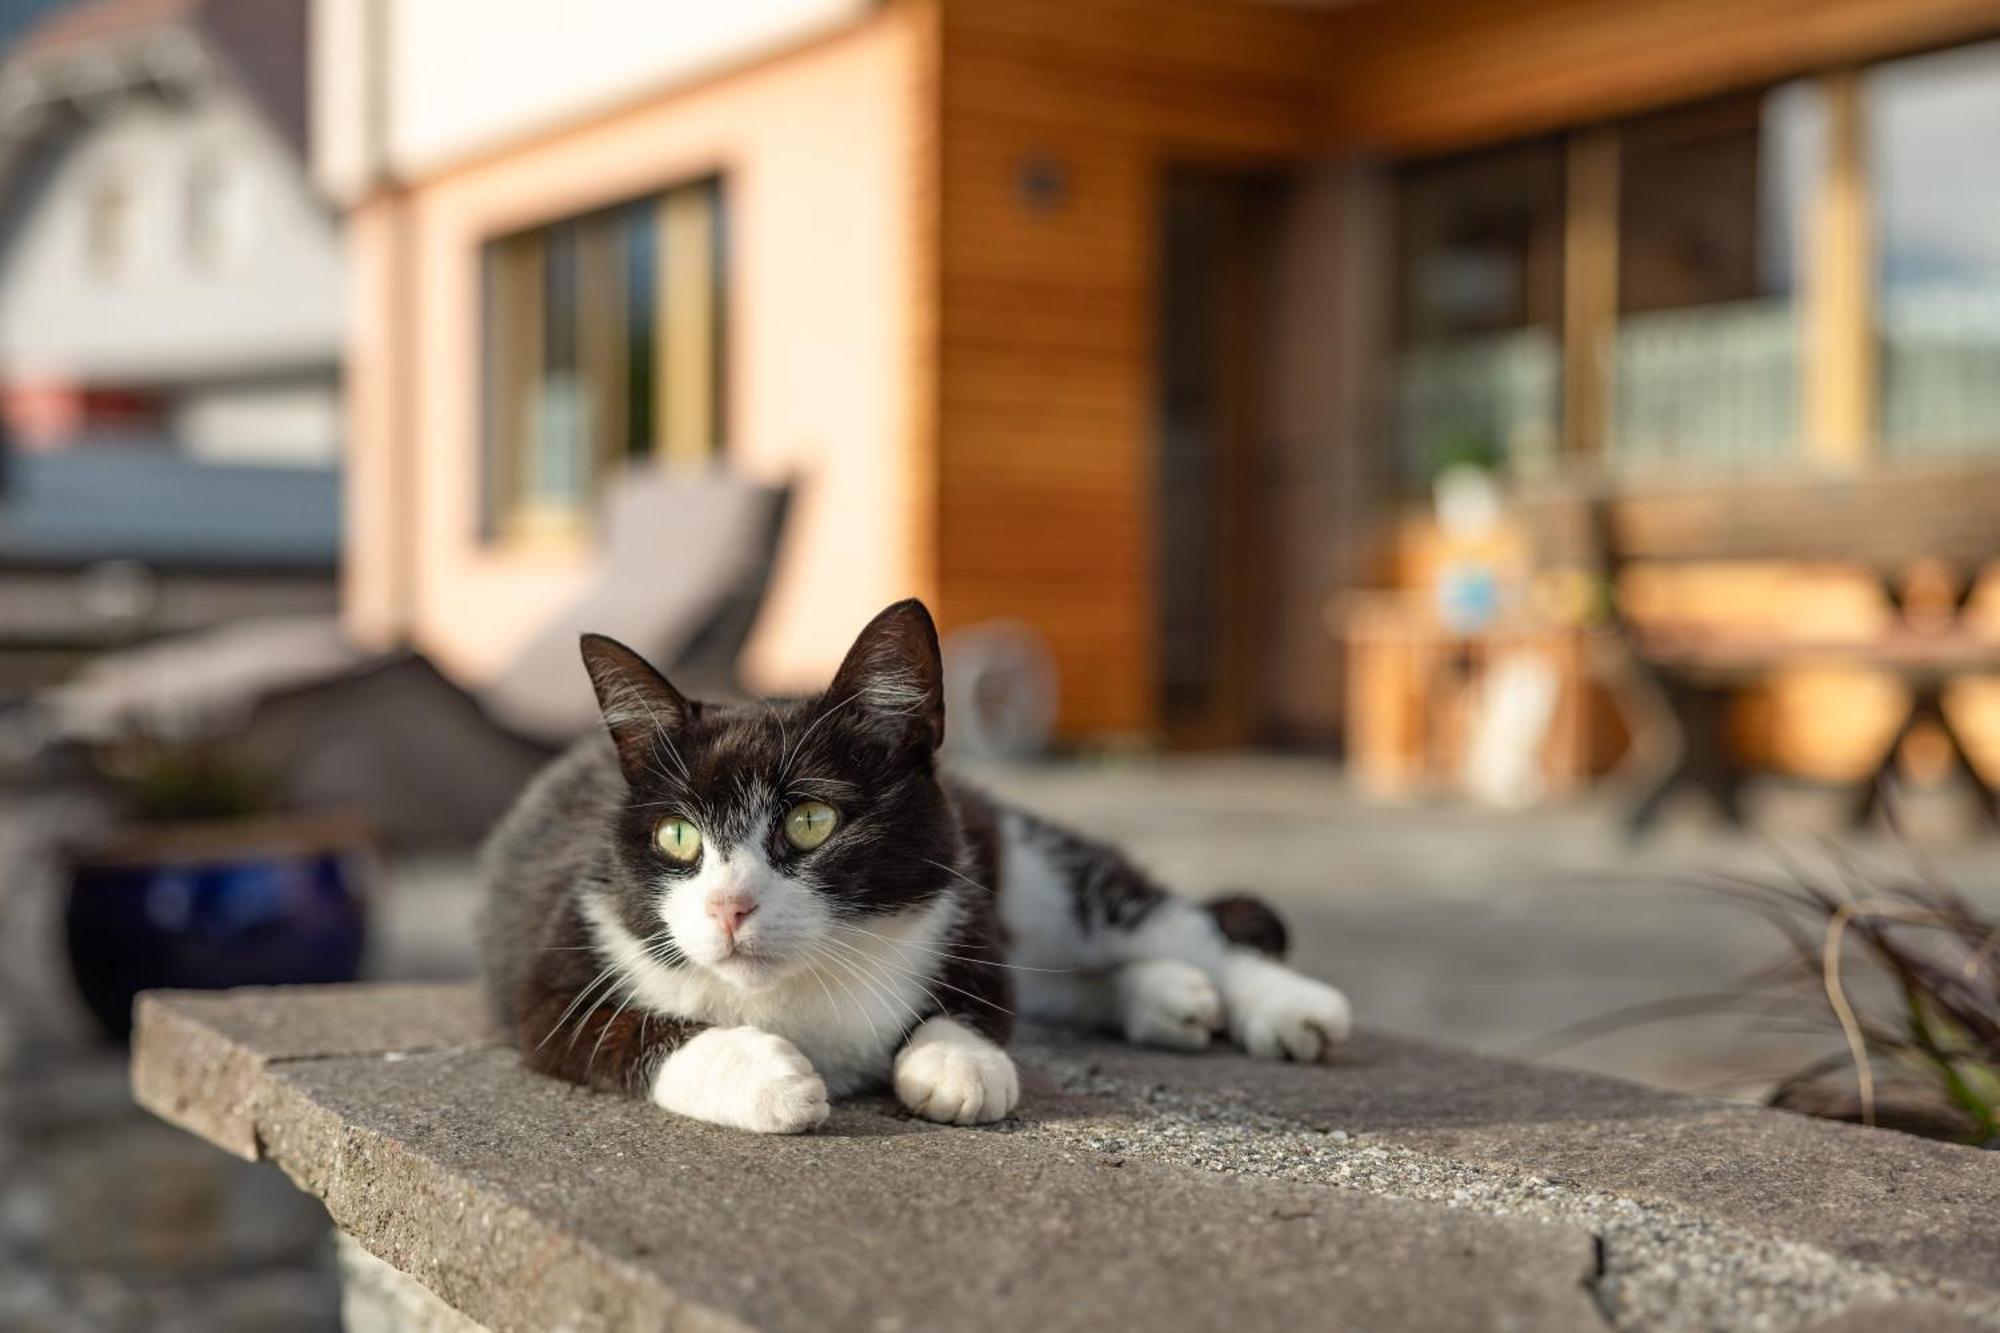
[1165,1002]
[1279,1015]
[948,1073]
[745,1078]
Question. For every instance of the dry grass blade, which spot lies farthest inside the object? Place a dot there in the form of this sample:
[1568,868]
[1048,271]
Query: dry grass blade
[1916,1004]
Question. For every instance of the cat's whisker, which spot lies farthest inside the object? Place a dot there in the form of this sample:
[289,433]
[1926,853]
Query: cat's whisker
[960,874]
[785,764]
[909,974]
[907,947]
[575,1025]
[844,971]
[889,972]
[812,959]
[880,979]
[605,1031]
[594,993]
[563,1019]
[955,957]
[778,717]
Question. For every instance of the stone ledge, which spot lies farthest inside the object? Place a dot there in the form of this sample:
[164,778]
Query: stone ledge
[222,1044]
[1406,1187]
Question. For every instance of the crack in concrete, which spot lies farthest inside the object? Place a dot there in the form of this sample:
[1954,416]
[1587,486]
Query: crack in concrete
[1596,1280]
[1658,1265]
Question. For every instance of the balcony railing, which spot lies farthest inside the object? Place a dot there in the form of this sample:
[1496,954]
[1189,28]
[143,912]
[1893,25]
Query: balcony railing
[1940,351]
[1495,398]
[1709,387]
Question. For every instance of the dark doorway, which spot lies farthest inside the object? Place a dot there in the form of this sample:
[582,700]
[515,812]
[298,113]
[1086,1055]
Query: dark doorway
[1216,236]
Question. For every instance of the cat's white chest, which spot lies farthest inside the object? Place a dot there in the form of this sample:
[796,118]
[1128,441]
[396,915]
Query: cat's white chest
[847,1011]
[848,1027]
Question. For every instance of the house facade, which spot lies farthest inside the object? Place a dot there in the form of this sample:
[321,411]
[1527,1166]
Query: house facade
[1133,320]
[168,274]
[172,320]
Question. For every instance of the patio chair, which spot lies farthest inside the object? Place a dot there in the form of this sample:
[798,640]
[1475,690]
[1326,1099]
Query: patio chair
[686,560]
[424,756]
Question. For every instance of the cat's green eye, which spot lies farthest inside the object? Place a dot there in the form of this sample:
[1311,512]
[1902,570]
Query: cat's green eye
[678,840]
[810,823]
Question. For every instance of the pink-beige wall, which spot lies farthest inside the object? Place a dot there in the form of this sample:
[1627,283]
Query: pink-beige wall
[822,153]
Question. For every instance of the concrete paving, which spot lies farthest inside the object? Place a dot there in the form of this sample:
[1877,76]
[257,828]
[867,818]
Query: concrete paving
[1485,929]
[1496,930]
[1403,1187]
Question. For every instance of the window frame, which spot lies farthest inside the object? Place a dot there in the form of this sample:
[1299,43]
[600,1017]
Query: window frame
[1839,374]
[518,329]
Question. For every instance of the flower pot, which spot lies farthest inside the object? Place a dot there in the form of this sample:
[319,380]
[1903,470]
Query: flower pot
[249,903]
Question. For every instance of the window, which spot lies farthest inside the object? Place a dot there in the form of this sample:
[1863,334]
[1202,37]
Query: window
[107,236]
[1480,308]
[218,212]
[1806,271]
[1932,127]
[604,343]
[1711,203]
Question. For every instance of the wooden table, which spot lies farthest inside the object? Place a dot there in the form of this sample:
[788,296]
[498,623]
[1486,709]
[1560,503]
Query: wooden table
[1700,670]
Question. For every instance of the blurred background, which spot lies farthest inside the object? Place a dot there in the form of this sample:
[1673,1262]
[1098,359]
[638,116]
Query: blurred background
[1514,483]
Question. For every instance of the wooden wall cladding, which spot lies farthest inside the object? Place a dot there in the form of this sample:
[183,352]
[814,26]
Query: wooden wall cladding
[1057,123]
[1419,75]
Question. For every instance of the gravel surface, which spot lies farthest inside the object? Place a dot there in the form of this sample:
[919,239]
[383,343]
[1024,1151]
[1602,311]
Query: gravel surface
[1658,1268]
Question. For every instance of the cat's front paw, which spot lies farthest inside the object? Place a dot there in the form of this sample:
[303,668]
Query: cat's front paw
[1279,1015]
[744,1078]
[1165,1002]
[948,1073]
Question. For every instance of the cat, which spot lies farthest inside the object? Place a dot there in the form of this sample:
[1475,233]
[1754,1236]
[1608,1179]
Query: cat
[741,911]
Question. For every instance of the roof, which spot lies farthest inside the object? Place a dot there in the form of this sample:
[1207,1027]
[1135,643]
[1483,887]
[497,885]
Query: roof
[82,24]
[166,509]
[261,42]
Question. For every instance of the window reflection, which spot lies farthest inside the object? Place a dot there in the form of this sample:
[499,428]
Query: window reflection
[1934,157]
[1481,309]
[1711,201]
[604,340]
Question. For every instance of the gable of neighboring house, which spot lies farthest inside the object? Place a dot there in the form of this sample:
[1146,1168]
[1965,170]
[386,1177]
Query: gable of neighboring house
[167,273]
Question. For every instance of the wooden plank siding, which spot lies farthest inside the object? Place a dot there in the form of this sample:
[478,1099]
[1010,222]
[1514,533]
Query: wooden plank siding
[1046,316]
[1427,75]
[1042,408]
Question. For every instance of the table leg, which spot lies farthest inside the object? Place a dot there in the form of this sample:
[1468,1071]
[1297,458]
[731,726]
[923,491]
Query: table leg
[1926,706]
[1703,763]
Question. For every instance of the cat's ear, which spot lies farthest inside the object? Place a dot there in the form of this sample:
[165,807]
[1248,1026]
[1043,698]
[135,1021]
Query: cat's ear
[895,677]
[638,703]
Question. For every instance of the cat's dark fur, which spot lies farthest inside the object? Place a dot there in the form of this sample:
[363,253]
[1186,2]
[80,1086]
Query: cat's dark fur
[603,967]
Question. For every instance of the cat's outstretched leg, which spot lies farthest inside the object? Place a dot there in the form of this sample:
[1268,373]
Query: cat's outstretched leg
[1133,957]
[1280,1014]
[1166,1002]
[1270,1010]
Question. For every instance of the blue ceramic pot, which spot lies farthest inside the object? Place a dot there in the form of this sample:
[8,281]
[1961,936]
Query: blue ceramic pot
[213,907]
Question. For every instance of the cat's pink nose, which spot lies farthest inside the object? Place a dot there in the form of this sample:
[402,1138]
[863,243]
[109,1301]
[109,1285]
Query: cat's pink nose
[729,913]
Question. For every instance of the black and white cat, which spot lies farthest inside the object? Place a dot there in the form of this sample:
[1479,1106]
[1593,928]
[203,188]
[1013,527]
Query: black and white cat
[741,911]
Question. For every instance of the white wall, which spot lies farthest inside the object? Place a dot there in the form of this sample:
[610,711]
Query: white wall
[822,154]
[274,298]
[408,86]
[291,420]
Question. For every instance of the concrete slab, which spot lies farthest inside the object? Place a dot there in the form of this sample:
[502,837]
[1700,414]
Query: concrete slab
[1407,1187]
[220,1044]
[1906,1204]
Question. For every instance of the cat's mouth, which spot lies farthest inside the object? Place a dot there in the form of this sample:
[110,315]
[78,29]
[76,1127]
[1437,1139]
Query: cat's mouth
[748,966]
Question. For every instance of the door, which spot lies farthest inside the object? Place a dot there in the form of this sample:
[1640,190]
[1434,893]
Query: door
[1216,232]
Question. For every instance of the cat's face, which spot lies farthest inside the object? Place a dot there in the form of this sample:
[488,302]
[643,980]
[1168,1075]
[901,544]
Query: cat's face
[761,839]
